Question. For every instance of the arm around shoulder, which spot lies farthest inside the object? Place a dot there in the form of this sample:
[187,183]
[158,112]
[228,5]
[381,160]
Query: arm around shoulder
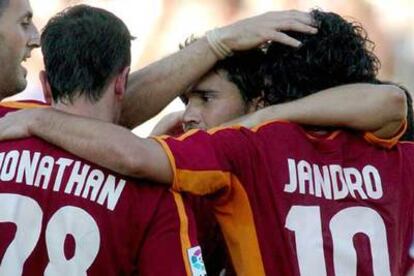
[146,158]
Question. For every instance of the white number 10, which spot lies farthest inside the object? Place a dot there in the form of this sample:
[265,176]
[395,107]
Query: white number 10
[27,215]
[305,221]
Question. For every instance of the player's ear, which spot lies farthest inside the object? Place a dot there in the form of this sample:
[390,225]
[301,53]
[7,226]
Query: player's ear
[47,91]
[121,82]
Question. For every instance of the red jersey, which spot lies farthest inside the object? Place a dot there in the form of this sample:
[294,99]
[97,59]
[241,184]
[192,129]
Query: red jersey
[61,215]
[289,203]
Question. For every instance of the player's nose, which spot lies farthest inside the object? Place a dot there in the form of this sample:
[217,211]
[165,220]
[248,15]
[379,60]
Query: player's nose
[191,118]
[34,39]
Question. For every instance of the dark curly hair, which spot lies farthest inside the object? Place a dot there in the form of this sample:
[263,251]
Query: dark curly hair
[243,69]
[340,53]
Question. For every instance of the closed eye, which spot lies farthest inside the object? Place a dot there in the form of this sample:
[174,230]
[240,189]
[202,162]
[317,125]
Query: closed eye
[205,95]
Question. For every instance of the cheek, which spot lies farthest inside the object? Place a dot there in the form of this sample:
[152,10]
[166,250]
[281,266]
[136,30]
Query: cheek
[10,61]
[14,43]
[19,36]
[221,113]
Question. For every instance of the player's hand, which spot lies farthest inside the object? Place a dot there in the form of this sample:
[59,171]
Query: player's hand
[15,125]
[254,31]
[170,124]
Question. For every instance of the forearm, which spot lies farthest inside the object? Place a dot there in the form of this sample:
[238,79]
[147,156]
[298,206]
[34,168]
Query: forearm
[152,88]
[360,106]
[105,144]
[155,86]
[365,107]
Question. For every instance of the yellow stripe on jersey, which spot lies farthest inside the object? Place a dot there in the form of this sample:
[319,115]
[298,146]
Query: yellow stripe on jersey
[170,156]
[202,182]
[22,105]
[254,129]
[386,143]
[184,236]
[232,210]
[234,214]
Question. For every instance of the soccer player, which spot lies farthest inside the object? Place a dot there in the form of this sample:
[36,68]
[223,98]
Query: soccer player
[151,88]
[63,215]
[234,88]
[18,37]
[306,178]
[289,200]
[303,177]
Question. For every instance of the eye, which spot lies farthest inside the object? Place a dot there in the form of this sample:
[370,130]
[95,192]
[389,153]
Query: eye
[26,23]
[206,97]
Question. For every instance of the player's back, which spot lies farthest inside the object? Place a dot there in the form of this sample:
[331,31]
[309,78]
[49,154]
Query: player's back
[331,205]
[290,203]
[61,215]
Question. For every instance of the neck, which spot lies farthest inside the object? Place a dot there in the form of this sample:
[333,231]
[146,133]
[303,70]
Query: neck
[83,107]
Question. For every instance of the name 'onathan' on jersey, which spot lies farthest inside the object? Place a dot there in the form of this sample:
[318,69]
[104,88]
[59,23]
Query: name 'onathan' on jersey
[35,169]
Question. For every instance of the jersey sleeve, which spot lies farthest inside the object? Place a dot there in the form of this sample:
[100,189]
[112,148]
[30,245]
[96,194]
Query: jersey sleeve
[386,143]
[170,246]
[203,162]
[10,106]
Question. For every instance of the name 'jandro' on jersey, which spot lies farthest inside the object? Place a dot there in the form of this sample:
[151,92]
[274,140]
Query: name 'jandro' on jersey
[37,170]
[333,181]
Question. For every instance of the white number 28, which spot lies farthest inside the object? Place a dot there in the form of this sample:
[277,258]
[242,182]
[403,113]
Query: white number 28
[27,215]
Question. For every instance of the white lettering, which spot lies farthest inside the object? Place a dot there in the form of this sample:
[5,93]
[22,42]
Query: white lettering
[322,183]
[110,193]
[371,173]
[63,163]
[334,181]
[27,167]
[94,182]
[293,182]
[336,174]
[31,168]
[44,171]
[9,167]
[305,175]
[77,178]
[354,181]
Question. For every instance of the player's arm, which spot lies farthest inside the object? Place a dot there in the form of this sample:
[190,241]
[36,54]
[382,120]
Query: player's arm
[171,124]
[116,148]
[153,87]
[111,146]
[380,109]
